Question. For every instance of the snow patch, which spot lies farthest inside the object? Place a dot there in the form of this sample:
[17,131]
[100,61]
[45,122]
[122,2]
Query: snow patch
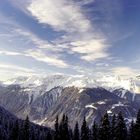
[81,90]
[109,112]
[101,102]
[91,106]
[40,122]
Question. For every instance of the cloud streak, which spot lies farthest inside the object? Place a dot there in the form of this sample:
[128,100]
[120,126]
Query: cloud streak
[68,16]
[43,50]
[15,67]
[9,53]
[41,56]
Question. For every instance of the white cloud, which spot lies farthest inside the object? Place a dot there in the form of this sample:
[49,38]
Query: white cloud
[38,42]
[80,37]
[68,16]
[94,57]
[3,52]
[15,67]
[60,14]
[126,71]
[16,31]
[88,46]
[102,65]
[91,50]
[84,2]
[38,55]
[41,56]
[43,51]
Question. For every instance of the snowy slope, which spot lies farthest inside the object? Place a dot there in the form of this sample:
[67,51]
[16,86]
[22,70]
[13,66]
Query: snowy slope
[49,82]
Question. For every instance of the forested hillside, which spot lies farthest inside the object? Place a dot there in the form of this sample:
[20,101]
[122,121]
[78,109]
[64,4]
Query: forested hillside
[109,128]
[12,128]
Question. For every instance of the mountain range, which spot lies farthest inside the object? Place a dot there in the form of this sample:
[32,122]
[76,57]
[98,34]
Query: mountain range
[43,98]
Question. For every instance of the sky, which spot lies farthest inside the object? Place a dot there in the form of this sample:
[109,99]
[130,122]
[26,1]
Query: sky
[74,37]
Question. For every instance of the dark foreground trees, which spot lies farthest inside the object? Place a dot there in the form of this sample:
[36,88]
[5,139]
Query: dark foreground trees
[110,128]
[12,128]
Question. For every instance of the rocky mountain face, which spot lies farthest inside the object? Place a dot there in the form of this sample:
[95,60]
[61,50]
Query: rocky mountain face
[44,98]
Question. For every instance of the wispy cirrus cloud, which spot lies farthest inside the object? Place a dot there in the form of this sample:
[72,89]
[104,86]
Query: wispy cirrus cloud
[125,71]
[4,52]
[38,42]
[43,50]
[39,55]
[80,37]
[85,2]
[15,67]
[69,16]
[73,34]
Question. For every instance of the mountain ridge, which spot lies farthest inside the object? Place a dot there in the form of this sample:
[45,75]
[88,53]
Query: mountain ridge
[107,81]
[45,98]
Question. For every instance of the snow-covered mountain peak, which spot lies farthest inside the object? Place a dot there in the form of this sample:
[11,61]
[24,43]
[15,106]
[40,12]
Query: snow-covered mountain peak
[26,81]
[110,82]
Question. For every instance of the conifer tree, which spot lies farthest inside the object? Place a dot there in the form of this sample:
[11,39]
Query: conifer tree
[26,128]
[49,136]
[61,127]
[113,127]
[121,130]
[76,132]
[84,131]
[94,131]
[70,133]
[105,128]
[89,134]
[15,131]
[64,128]
[32,135]
[56,135]
[137,127]
[131,131]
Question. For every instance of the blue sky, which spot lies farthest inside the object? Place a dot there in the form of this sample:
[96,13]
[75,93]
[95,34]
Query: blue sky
[40,37]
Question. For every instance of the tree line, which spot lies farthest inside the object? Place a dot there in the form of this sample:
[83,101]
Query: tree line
[107,129]
[113,128]
[15,129]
